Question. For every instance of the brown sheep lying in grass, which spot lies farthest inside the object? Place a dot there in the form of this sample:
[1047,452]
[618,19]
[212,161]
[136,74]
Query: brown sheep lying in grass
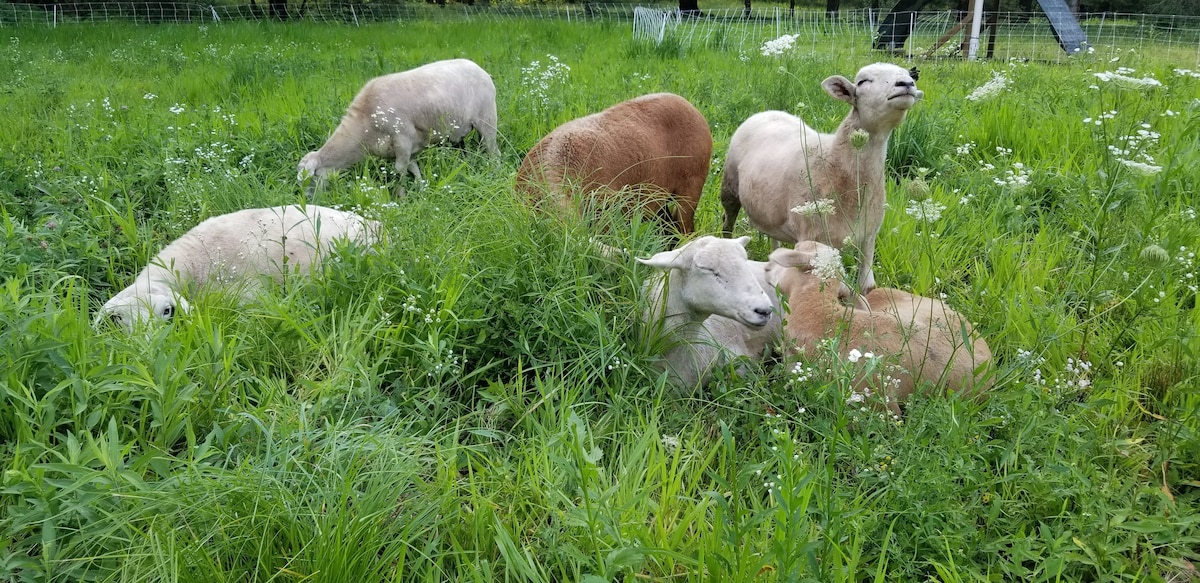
[920,340]
[656,147]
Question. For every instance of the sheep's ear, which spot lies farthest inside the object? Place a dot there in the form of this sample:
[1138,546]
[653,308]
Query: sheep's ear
[792,257]
[745,241]
[840,88]
[664,260]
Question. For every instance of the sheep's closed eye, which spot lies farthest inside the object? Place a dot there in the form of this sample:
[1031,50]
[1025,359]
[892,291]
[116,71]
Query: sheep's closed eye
[859,84]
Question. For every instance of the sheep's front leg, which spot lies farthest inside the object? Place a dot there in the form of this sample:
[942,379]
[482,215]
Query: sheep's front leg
[866,275]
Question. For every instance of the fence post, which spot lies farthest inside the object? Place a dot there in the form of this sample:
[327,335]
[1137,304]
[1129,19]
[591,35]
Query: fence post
[352,13]
[56,16]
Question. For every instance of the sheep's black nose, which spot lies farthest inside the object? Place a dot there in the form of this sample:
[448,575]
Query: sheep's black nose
[764,312]
[906,84]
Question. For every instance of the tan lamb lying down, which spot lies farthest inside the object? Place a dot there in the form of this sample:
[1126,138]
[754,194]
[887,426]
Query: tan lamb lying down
[920,340]
[657,147]
[397,115]
[233,249]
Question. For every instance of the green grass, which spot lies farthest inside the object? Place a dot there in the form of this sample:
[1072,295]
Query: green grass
[473,402]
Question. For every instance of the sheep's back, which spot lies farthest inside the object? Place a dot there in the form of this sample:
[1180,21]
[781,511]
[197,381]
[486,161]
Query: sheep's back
[657,139]
[935,339]
[456,90]
[271,242]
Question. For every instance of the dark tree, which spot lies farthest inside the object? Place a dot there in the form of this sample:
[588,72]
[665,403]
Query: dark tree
[279,9]
[831,8]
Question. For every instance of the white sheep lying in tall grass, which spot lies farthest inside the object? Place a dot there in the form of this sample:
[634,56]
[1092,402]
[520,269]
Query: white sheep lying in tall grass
[657,148]
[235,249]
[711,302]
[798,184]
[398,115]
[920,340]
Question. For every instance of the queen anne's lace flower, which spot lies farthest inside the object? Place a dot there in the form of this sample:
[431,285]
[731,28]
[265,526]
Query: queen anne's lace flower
[774,48]
[822,207]
[828,263]
[1126,81]
[990,89]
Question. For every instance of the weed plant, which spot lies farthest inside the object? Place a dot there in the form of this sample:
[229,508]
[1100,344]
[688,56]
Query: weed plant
[472,400]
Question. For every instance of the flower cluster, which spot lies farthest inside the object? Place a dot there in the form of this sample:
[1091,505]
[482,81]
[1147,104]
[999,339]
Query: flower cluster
[540,81]
[774,48]
[1131,151]
[927,210]
[821,207]
[828,263]
[990,89]
[1099,119]
[1188,73]
[803,374]
[1015,178]
[1121,78]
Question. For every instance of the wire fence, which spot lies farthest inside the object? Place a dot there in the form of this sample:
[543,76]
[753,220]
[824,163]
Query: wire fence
[1006,35]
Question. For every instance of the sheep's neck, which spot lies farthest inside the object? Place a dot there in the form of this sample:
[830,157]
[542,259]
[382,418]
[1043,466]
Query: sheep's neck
[347,146]
[677,316]
[871,156]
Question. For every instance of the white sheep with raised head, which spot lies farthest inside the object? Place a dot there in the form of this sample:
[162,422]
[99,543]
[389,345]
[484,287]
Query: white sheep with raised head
[234,250]
[921,341]
[798,184]
[649,153]
[397,115]
[711,302]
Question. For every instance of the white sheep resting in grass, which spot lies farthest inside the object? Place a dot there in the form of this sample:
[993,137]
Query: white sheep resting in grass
[798,184]
[919,340]
[646,153]
[398,115]
[711,302]
[235,249]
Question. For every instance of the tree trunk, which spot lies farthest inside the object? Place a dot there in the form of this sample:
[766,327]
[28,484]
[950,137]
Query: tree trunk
[831,8]
[689,7]
[746,10]
[278,9]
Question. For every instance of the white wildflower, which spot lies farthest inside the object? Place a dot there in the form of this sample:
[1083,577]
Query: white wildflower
[1126,81]
[774,48]
[854,355]
[990,89]
[1141,167]
[822,207]
[828,263]
[928,210]
[670,443]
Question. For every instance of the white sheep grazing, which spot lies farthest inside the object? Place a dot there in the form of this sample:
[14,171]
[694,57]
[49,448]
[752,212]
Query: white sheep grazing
[233,249]
[398,115]
[798,184]
[710,301]
[921,340]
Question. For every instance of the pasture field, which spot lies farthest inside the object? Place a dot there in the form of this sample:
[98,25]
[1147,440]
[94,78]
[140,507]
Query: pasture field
[472,401]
